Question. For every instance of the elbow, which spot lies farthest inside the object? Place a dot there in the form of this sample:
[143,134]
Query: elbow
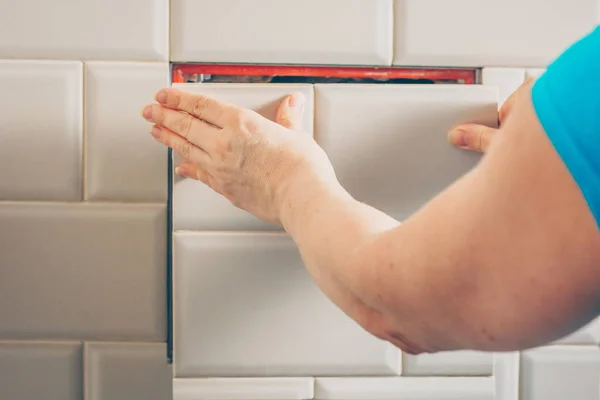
[383,328]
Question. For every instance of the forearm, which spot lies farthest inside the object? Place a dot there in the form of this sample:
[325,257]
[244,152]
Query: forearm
[329,227]
[481,266]
[341,239]
[452,276]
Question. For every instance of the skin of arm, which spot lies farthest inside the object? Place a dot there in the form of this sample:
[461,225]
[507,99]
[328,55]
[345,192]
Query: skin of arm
[506,258]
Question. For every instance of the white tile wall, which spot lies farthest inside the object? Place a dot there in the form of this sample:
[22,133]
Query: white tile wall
[127,371]
[398,134]
[122,161]
[475,33]
[506,375]
[507,80]
[455,363]
[82,271]
[589,334]
[89,29]
[41,130]
[269,31]
[558,373]
[535,72]
[244,389]
[245,306]
[40,370]
[198,207]
[438,388]
[75,271]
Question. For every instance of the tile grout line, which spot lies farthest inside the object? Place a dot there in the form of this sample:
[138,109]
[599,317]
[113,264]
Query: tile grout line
[79,203]
[393,41]
[169,38]
[84,371]
[84,133]
[169,247]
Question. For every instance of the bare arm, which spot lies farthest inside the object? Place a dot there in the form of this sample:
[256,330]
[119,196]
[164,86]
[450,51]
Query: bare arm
[506,258]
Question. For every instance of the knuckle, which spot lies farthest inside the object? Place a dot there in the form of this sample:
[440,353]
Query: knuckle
[470,137]
[158,116]
[479,137]
[198,105]
[177,99]
[486,139]
[185,149]
[473,137]
[237,119]
[219,148]
[184,126]
[242,117]
[210,181]
[229,195]
[286,121]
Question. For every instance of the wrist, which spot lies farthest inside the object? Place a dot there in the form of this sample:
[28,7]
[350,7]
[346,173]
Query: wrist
[304,194]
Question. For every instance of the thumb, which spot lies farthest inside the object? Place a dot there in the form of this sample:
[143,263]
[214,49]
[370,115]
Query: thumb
[290,111]
[472,137]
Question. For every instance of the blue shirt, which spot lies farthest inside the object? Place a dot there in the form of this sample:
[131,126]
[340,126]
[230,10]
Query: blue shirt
[566,99]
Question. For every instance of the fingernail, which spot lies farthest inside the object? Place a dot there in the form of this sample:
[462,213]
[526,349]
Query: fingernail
[457,137]
[148,112]
[161,96]
[296,99]
[155,132]
[292,101]
[182,171]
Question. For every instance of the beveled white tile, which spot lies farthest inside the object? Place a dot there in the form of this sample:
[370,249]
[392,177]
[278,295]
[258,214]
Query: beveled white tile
[243,389]
[83,271]
[41,130]
[244,305]
[507,80]
[123,161]
[266,31]
[198,207]
[443,388]
[589,334]
[506,375]
[398,133]
[535,72]
[127,371]
[560,372]
[442,33]
[84,30]
[455,363]
[40,370]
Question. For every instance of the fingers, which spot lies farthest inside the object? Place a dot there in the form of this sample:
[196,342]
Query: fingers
[192,129]
[478,137]
[206,108]
[472,137]
[187,150]
[291,111]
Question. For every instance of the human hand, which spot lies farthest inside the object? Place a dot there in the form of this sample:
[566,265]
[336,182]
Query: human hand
[243,156]
[478,137]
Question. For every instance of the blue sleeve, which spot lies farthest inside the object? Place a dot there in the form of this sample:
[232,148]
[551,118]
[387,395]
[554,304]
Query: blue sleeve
[566,99]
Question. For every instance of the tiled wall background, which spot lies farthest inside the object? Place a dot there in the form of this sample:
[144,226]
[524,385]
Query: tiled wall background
[83,193]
